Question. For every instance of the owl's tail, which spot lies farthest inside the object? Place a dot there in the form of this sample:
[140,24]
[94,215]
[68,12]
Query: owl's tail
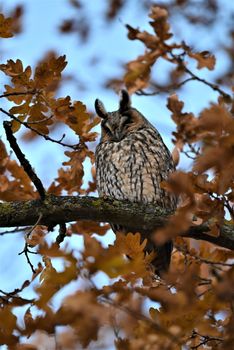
[163,256]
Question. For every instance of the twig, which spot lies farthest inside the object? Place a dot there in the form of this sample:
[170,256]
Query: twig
[192,150]
[40,121]
[16,291]
[15,230]
[62,233]
[26,251]
[33,227]
[213,86]
[206,339]
[18,93]
[164,90]
[139,316]
[23,161]
[48,138]
[185,251]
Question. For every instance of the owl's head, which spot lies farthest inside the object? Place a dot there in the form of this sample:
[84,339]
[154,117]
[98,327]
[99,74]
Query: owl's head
[119,124]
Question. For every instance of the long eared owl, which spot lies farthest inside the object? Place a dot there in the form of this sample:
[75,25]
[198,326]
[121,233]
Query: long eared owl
[131,162]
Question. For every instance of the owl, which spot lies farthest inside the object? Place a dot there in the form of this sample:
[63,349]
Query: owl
[131,162]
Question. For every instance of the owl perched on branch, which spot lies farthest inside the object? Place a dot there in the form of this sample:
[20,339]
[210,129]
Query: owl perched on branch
[131,162]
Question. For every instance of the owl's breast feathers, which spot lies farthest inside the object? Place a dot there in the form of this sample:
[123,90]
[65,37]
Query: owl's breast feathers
[133,168]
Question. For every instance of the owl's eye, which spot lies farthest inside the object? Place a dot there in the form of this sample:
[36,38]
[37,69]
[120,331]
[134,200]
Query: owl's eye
[126,120]
[106,126]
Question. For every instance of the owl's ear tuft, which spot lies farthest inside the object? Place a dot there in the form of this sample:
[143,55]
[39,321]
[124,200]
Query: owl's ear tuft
[125,101]
[100,109]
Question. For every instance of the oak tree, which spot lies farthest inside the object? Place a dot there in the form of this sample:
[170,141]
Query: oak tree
[191,307]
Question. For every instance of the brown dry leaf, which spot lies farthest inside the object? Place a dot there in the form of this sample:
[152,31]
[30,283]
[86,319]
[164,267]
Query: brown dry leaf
[98,258]
[87,226]
[51,280]
[159,23]
[18,99]
[36,236]
[79,121]
[48,72]
[175,155]
[216,119]
[70,178]
[18,186]
[112,261]
[7,322]
[130,244]
[186,122]
[6,27]
[85,315]
[138,72]
[150,41]
[204,59]
[92,248]
[174,105]
[216,127]
[214,230]
[75,172]
[26,347]
[19,77]
[76,117]
[123,344]
[28,319]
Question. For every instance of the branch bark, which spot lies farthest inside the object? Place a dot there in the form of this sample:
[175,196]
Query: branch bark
[57,210]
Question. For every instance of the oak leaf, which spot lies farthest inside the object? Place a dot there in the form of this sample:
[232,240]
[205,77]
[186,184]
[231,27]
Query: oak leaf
[204,59]
[6,27]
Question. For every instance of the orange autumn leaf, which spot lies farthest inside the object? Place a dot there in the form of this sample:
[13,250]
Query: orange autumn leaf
[204,59]
[6,27]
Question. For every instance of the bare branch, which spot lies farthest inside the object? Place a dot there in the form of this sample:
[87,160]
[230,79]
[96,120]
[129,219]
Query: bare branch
[32,92]
[14,230]
[215,87]
[46,137]
[23,161]
[167,90]
[62,233]
[185,251]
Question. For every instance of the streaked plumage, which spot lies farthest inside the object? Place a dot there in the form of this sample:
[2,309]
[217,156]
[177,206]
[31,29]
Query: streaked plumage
[131,162]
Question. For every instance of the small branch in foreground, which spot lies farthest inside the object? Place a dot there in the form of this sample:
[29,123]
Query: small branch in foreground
[8,94]
[26,251]
[14,230]
[46,137]
[167,90]
[204,339]
[23,161]
[192,77]
[213,86]
[14,294]
[185,251]
[136,315]
[62,233]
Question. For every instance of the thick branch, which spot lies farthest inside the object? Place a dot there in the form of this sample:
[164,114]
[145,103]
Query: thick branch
[23,161]
[56,210]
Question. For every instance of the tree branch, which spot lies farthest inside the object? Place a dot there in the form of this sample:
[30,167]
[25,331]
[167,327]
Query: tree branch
[46,137]
[56,210]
